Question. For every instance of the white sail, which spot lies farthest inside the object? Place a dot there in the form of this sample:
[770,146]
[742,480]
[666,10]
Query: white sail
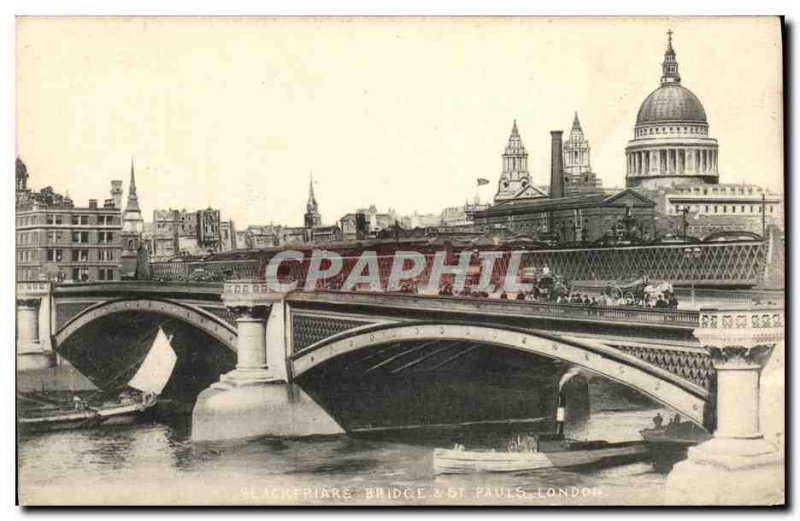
[157,367]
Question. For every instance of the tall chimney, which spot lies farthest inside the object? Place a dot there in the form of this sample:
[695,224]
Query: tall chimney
[556,165]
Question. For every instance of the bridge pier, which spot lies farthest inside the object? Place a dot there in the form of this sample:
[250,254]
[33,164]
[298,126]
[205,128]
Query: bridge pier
[33,335]
[257,398]
[738,465]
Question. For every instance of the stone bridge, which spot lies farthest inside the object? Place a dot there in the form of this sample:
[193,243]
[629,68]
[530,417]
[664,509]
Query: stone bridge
[326,361]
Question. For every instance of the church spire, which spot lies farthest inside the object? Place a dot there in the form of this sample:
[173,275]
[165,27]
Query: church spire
[312,217]
[514,131]
[312,201]
[669,67]
[132,188]
[133,199]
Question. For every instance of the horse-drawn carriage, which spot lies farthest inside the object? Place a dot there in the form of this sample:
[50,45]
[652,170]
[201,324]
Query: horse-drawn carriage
[639,289]
[546,286]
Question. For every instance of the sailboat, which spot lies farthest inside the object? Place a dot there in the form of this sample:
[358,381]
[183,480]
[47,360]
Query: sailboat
[141,394]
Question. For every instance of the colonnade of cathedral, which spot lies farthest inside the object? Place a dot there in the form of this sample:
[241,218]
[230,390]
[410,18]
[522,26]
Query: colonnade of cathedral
[664,161]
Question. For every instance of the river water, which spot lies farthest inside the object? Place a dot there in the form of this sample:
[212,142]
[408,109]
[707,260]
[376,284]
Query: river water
[157,463]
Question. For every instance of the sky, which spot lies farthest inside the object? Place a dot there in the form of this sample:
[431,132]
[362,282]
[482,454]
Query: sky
[407,113]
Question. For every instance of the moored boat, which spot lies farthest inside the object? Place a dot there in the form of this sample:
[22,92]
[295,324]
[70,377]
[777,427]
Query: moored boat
[669,444]
[543,453]
[140,396]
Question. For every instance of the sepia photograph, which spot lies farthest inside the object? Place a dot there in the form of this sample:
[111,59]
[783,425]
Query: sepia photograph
[400,261]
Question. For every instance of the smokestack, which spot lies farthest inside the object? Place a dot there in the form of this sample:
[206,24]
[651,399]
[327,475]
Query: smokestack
[556,165]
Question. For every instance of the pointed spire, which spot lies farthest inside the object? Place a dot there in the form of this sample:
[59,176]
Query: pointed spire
[576,124]
[669,67]
[311,198]
[133,199]
[132,187]
[514,131]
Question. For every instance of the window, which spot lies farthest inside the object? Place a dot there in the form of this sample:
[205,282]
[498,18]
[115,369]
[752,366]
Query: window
[55,236]
[105,255]
[706,208]
[715,208]
[106,220]
[743,210]
[733,209]
[80,274]
[105,274]
[54,219]
[771,208]
[725,208]
[105,237]
[80,237]
[54,255]
[80,255]
[80,220]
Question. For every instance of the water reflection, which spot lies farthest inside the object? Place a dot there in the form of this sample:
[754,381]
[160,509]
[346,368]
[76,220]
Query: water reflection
[161,455]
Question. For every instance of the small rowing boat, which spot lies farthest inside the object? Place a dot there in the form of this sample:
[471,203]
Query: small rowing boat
[543,453]
[670,444]
[141,395]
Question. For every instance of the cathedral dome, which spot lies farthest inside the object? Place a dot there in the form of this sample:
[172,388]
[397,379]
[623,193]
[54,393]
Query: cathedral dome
[671,103]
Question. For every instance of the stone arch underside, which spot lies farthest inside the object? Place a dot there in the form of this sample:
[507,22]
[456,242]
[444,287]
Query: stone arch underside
[107,342]
[426,338]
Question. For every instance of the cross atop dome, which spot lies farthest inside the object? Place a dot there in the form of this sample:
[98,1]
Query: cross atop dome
[670,65]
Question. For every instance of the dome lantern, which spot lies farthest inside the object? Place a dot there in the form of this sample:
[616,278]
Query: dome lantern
[669,66]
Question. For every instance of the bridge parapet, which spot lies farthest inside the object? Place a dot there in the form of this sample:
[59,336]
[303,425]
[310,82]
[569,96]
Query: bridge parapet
[742,327]
[685,319]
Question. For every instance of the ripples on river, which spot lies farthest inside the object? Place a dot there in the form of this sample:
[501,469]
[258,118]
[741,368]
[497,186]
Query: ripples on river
[156,463]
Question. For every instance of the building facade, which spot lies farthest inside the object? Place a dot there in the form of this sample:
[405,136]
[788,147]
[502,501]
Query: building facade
[702,210]
[576,218]
[55,240]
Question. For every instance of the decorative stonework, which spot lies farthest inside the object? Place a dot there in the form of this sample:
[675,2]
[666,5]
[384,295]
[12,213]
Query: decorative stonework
[241,294]
[722,329]
[30,294]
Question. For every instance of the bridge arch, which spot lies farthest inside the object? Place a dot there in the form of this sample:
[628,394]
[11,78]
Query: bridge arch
[199,318]
[682,395]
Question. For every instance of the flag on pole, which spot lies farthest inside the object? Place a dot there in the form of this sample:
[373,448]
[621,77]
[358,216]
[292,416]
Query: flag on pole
[482,181]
